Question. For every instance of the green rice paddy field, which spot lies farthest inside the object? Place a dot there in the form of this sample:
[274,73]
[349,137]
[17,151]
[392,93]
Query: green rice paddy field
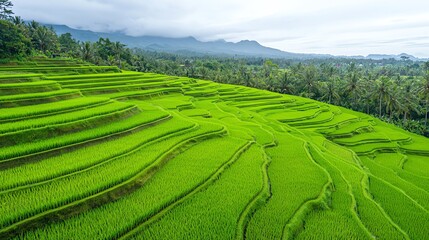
[91,152]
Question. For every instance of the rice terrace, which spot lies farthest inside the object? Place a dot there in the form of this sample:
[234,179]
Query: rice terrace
[105,135]
[92,152]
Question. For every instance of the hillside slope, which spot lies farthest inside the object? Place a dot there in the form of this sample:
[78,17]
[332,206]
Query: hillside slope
[91,152]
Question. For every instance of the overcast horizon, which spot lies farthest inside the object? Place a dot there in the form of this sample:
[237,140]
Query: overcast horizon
[325,27]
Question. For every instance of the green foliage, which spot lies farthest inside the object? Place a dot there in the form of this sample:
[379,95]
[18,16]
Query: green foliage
[13,43]
[43,39]
[68,45]
[5,11]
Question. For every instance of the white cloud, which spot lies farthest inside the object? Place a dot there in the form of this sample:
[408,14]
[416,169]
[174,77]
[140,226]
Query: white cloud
[340,27]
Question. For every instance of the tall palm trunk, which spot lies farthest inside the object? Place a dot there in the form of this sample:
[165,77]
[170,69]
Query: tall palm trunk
[391,114]
[405,117]
[379,107]
[426,115]
[355,102]
[118,56]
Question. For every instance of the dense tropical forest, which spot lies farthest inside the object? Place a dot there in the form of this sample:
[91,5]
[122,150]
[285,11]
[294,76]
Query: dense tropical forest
[396,91]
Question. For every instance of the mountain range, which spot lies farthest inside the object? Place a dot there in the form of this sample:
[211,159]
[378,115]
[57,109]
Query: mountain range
[191,45]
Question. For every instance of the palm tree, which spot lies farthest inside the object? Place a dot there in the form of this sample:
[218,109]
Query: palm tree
[309,76]
[426,66]
[41,39]
[244,75]
[20,23]
[424,92]
[368,92]
[86,51]
[285,83]
[44,39]
[394,103]
[382,87]
[17,20]
[410,101]
[5,12]
[118,48]
[111,61]
[330,90]
[33,25]
[353,87]
[268,68]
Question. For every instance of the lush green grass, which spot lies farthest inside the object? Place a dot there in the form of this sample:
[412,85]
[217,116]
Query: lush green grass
[18,78]
[93,83]
[174,181]
[350,129]
[28,87]
[417,164]
[292,116]
[39,110]
[85,78]
[290,171]
[181,158]
[416,193]
[338,217]
[60,70]
[32,99]
[52,194]
[233,189]
[90,156]
[404,210]
[196,112]
[62,118]
[13,152]
[130,87]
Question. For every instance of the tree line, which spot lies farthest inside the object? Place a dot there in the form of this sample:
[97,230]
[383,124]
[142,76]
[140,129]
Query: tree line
[396,91]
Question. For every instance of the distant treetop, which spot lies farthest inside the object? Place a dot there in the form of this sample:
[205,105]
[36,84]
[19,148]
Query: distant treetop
[5,12]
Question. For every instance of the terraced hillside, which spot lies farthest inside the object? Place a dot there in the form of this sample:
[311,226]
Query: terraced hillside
[91,152]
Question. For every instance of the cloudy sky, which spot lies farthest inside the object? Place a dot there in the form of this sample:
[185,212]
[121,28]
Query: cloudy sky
[340,27]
